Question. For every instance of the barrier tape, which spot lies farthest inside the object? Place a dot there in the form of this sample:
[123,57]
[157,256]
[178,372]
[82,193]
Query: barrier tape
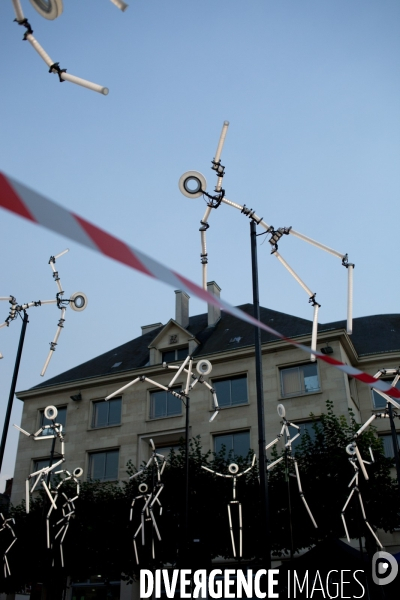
[26,203]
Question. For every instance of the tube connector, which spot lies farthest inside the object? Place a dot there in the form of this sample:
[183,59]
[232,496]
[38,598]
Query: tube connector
[55,68]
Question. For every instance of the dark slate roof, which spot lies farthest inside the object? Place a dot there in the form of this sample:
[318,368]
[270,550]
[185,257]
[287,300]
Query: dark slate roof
[372,335]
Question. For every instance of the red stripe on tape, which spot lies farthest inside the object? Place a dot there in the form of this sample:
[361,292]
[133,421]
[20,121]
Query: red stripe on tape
[11,201]
[111,246]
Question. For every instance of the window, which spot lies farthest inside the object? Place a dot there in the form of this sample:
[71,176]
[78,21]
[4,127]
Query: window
[305,426]
[45,462]
[107,413]
[377,399]
[388,444]
[103,465]
[231,391]
[61,418]
[302,379]
[165,450]
[238,442]
[173,355]
[164,404]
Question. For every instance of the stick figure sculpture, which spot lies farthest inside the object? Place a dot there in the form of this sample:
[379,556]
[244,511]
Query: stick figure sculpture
[285,433]
[203,367]
[51,9]
[157,464]
[355,457]
[78,302]
[67,509]
[5,526]
[193,184]
[234,475]
[46,432]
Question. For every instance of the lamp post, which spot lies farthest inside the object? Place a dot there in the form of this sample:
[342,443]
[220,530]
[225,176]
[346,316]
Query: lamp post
[25,322]
[260,401]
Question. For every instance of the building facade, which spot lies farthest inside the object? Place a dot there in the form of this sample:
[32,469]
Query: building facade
[102,436]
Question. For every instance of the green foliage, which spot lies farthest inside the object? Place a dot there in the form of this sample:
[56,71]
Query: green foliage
[100,537]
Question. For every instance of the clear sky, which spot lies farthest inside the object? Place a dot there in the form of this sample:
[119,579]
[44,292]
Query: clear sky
[311,89]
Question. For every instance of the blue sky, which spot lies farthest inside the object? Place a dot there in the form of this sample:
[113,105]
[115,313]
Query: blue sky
[311,90]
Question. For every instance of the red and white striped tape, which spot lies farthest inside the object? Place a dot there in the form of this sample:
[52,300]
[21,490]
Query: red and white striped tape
[24,202]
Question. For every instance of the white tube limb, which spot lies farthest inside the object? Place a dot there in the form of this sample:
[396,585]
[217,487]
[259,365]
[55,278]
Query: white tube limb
[48,301]
[297,278]
[189,375]
[27,507]
[317,244]
[345,528]
[22,430]
[95,87]
[46,364]
[204,219]
[41,51]
[314,332]
[122,389]
[231,530]
[365,425]
[4,324]
[230,203]
[271,443]
[61,253]
[361,463]
[119,4]
[213,416]
[350,269]
[179,371]
[203,242]
[204,275]
[5,298]
[221,141]
[274,463]
[18,10]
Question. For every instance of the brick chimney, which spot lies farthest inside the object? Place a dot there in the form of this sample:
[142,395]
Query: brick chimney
[214,312]
[182,308]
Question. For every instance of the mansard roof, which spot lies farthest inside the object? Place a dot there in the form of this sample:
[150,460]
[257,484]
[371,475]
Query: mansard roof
[375,334]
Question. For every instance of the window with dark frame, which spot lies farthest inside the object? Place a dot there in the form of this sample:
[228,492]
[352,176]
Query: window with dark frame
[173,355]
[103,466]
[387,442]
[299,380]
[305,427]
[231,391]
[61,418]
[377,400]
[238,442]
[106,414]
[164,404]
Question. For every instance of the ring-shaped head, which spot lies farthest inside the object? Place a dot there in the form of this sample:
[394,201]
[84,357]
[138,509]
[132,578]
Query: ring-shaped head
[233,468]
[204,367]
[351,449]
[281,411]
[77,472]
[192,184]
[143,488]
[49,9]
[78,301]
[50,412]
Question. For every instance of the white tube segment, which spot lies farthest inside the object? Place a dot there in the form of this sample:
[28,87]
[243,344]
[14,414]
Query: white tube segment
[42,53]
[293,273]
[314,332]
[119,4]
[61,253]
[84,83]
[18,10]
[317,244]
[221,141]
[122,389]
[350,269]
[226,201]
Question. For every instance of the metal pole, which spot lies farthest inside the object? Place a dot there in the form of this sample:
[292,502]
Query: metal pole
[25,321]
[395,443]
[265,523]
[186,542]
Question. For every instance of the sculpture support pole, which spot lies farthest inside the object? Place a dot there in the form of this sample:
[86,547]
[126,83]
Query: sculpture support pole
[265,524]
[186,539]
[395,443]
[25,321]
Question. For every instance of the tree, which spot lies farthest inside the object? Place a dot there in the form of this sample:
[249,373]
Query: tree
[99,540]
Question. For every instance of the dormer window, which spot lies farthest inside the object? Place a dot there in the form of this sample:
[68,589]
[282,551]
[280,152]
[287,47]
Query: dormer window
[174,355]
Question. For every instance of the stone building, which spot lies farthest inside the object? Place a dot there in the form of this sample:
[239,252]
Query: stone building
[102,436]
